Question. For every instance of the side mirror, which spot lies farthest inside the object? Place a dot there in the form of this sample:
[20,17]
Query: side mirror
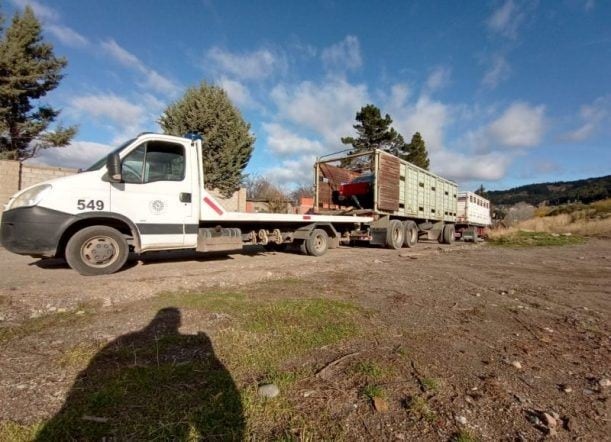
[113,164]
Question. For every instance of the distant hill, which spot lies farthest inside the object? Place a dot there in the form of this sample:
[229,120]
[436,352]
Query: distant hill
[586,191]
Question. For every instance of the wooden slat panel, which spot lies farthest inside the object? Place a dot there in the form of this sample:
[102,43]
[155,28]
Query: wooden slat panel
[388,178]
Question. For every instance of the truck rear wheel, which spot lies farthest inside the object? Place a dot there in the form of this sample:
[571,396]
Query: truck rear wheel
[317,243]
[410,234]
[448,233]
[97,250]
[395,234]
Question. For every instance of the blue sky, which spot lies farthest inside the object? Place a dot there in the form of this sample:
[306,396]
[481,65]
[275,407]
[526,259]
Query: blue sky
[505,92]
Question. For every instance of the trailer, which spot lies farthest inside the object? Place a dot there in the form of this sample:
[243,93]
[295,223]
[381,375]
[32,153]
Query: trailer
[473,216]
[406,202]
[149,195]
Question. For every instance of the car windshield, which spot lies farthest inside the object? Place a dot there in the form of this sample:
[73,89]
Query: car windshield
[98,164]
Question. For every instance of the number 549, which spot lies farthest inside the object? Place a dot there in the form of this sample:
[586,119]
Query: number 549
[91,204]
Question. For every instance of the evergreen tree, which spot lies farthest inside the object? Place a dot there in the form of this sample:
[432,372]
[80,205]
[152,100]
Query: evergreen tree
[415,152]
[28,71]
[481,191]
[227,141]
[374,131]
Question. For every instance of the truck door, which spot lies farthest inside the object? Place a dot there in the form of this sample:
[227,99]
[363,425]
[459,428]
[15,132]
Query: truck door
[155,193]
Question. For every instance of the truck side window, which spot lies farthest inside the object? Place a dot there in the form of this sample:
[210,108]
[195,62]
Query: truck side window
[164,162]
[154,161]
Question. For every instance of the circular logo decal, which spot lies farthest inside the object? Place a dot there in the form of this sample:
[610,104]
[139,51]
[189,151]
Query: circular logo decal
[157,207]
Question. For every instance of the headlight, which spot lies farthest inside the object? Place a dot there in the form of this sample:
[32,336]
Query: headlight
[30,197]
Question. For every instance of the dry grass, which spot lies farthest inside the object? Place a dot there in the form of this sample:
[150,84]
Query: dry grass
[558,224]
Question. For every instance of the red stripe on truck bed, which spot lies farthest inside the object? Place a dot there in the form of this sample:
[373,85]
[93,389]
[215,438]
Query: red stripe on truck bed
[214,206]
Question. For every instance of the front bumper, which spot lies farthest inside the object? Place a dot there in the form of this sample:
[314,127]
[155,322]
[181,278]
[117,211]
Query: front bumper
[34,231]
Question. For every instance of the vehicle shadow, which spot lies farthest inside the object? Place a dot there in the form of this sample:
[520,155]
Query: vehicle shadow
[152,384]
[160,257]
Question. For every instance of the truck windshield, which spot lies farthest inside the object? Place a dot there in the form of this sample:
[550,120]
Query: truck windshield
[102,161]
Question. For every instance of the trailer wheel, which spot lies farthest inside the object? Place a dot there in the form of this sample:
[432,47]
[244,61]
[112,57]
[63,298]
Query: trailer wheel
[317,243]
[448,234]
[394,234]
[410,234]
[97,250]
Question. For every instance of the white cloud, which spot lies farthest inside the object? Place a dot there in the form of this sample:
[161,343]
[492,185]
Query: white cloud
[282,141]
[429,117]
[78,155]
[152,79]
[521,125]
[506,19]
[326,109]
[498,71]
[293,173]
[460,167]
[238,93]
[344,55]
[121,55]
[438,78]
[67,36]
[41,11]
[592,116]
[254,65]
[122,116]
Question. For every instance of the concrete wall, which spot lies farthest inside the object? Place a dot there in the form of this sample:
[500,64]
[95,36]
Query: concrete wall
[236,203]
[9,180]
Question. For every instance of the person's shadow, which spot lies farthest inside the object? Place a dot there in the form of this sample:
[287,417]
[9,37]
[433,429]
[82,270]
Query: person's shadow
[151,384]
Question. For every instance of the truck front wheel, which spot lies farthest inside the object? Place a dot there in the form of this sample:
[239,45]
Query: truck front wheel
[97,250]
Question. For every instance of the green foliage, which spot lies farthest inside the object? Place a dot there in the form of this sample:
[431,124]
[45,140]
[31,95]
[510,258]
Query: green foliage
[28,71]
[375,132]
[227,144]
[586,191]
[372,391]
[415,152]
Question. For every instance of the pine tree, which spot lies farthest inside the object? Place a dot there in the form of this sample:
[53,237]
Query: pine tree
[415,152]
[28,71]
[227,142]
[481,191]
[374,131]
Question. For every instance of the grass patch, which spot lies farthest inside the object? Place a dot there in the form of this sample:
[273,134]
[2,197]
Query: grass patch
[79,355]
[369,369]
[372,391]
[523,238]
[464,436]
[36,325]
[419,406]
[14,432]
[430,384]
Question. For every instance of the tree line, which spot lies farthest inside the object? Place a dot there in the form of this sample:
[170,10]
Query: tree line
[29,70]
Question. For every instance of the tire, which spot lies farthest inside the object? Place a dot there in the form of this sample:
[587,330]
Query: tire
[317,243]
[97,250]
[410,234]
[448,233]
[395,234]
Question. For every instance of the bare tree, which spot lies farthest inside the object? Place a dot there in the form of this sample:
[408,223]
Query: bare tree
[261,188]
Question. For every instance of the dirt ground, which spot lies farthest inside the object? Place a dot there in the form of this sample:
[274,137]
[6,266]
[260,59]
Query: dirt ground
[461,342]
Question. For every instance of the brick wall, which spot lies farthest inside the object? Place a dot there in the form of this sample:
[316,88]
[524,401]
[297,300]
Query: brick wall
[235,203]
[9,180]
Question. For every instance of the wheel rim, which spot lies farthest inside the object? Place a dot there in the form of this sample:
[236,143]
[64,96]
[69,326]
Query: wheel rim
[397,237]
[99,251]
[319,243]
